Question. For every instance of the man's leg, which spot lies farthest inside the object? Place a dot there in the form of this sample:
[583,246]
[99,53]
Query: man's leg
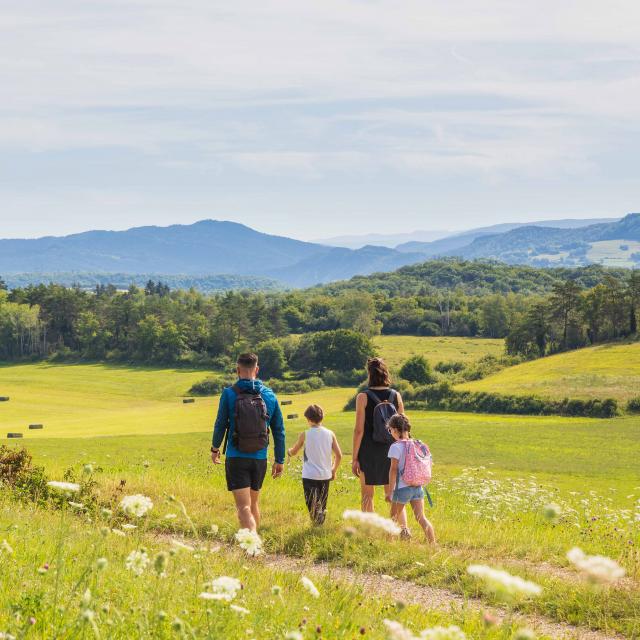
[244,508]
[255,507]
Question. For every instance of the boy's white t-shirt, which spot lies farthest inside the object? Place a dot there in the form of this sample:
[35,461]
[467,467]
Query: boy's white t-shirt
[398,451]
[318,445]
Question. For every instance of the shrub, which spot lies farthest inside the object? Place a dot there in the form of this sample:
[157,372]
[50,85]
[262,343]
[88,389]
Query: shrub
[633,406]
[417,370]
[18,474]
[342,350]
[306,385]
[272,359]
[453,366]
[210,386]
[351,378]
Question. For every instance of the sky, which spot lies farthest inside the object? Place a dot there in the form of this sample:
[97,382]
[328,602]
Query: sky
[316,119]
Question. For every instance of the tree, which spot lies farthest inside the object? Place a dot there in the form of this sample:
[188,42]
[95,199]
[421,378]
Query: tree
[272,359]
[342,350]
[495,317]
[3,284]
[416,370]
[564,304]
[633,287]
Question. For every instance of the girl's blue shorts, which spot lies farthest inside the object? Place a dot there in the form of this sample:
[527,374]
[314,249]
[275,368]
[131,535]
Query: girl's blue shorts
[407,494]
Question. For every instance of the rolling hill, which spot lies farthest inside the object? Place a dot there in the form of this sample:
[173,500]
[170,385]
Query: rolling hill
[205,247]
[603,371]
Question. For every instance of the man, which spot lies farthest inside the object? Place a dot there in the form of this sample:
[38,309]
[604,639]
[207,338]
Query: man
[248,411]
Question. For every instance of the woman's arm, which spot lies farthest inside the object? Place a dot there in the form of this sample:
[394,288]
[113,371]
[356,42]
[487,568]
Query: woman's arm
[393,475]
[400,403]
[337,456]
[358,432]
[297,446]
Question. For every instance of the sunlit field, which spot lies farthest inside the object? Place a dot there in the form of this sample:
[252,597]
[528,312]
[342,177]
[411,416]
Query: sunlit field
[495,477]
[604,371]
[396,349]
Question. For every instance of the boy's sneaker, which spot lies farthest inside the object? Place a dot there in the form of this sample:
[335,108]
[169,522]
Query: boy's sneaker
[405,534]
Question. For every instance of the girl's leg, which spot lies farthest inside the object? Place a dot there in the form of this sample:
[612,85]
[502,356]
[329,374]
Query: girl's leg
[427,527]
[399,514]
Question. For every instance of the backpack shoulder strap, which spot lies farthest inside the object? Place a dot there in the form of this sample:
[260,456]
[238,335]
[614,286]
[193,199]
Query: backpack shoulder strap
[238,389]
[393,394]
[373,395]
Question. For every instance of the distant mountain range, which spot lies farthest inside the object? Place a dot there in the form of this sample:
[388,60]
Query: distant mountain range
[209,248]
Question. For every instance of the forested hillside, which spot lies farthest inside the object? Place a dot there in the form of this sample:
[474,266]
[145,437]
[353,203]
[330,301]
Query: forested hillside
[537,311]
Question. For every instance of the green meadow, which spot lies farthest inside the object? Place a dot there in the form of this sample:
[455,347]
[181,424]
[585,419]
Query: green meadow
[494,477]
[603,371]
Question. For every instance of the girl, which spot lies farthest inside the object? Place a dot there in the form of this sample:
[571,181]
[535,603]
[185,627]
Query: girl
[399,493]
[370,462]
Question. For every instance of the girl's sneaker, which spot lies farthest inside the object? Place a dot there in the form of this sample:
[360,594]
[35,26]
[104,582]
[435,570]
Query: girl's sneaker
[405,534]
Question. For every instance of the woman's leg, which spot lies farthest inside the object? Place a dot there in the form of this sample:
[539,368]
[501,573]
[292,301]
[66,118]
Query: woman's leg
[427,527]
[366,493]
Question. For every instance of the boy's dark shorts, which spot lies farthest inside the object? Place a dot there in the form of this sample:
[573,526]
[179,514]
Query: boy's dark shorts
[245,472]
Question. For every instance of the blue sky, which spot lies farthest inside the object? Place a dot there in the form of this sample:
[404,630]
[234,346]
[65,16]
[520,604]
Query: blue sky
[314,119]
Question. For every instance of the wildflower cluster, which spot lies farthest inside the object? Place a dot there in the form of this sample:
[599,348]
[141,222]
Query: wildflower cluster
[598,568]
[137,562]
[250,541]
[223,588]
[503,583]
[396,631]
[136,505]
[309,586]
[372,520]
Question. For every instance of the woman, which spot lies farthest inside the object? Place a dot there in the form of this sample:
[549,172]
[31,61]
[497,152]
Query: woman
[370,458]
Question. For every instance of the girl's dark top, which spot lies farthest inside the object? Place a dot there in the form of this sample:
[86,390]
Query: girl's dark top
[372,455]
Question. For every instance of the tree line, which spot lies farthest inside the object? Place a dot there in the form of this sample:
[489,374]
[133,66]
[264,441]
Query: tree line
[157,324]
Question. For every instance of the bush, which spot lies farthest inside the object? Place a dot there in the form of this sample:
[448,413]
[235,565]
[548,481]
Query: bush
[453,366]
[313,383]
[417,370]
[341,350]
[351,378]
[210,386]
[272,359]
[633,406]
[18,474]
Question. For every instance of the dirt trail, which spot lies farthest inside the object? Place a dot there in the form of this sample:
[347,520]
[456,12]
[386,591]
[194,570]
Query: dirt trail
[387,587]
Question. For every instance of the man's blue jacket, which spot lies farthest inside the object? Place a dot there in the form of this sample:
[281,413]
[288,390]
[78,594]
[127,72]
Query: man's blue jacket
[226,416]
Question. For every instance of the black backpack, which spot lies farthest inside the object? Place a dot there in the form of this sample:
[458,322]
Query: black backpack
[382,411]
[251,424]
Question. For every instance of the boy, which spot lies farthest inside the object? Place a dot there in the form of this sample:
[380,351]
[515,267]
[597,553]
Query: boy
[318,469]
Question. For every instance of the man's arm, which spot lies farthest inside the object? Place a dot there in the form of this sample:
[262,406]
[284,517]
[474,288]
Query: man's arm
[277,429]
[221,424]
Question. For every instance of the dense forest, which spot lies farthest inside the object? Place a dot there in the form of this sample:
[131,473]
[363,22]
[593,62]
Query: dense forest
[538,311]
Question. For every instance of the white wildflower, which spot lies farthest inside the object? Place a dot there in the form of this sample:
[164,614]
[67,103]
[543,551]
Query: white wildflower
[503,583]
[64,487]
[310,587]
[524,634]
[250,541]
[76,505]
[170,516]
[214,529]
[5,547]
[136,505]
[598,568]
[129,527]
[396,631]
[137,562]
[118,532]
[372,520]
[294,635]
[238,609]
[222,588]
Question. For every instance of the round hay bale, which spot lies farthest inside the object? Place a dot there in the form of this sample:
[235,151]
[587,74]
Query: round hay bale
[14,435]
[36,426]
[292,416]
[188,400]
[4,398]
[284,403]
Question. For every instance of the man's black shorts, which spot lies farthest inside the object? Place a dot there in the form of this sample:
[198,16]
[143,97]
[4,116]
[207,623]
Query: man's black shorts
[245,472]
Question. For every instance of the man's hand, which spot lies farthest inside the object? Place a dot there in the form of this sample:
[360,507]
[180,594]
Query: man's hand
[276,470]
[355,467]
[215,457]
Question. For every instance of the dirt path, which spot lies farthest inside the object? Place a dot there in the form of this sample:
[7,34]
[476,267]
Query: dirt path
[387,587]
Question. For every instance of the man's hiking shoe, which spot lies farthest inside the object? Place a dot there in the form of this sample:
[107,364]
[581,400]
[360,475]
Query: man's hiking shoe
[405,534]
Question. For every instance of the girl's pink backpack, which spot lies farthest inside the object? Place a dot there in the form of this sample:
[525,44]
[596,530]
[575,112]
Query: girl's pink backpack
[417,464]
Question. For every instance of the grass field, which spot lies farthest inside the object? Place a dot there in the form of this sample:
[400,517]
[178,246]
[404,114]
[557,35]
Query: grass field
[396,349]
[614,253]
[493,477]
[604,371]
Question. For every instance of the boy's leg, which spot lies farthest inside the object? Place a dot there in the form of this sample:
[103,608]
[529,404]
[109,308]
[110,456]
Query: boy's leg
[323,495]
[427,527]
[310,496]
